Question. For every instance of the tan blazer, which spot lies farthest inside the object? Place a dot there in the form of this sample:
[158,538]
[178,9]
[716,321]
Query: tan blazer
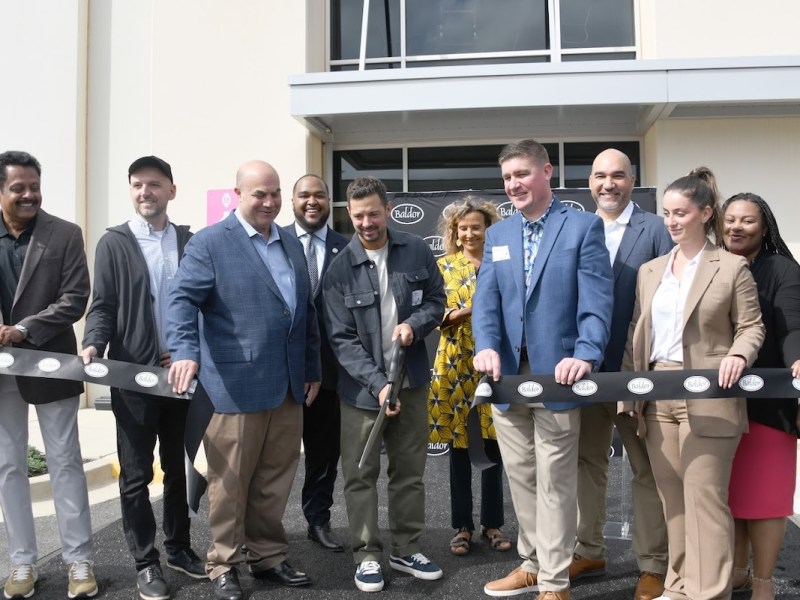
[721,318]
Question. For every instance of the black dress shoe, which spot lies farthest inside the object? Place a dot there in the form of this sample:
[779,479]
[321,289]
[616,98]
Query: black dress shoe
[323,536]
[226,586]
[284,574]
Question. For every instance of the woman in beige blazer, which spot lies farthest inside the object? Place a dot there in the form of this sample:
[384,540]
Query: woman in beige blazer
[696,308]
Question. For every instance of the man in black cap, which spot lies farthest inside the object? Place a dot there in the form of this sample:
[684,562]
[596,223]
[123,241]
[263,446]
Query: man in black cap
[134,266]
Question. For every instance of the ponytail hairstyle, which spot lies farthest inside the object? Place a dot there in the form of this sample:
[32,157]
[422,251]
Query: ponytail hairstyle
[700,186]
[772,242]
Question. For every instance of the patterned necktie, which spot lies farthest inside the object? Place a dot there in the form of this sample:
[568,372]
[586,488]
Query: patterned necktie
[311,262]
[532,237]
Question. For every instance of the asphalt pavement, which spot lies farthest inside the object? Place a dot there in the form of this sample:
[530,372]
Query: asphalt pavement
[332,574]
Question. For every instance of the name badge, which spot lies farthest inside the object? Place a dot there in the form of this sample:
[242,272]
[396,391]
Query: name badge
[416,297]
[500,253]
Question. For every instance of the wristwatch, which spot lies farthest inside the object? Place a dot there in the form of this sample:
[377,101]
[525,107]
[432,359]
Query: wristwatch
[23,330]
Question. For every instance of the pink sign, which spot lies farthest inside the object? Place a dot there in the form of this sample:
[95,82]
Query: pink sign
[219,204]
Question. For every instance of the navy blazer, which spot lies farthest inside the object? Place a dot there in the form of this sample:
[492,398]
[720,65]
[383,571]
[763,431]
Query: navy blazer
[567,310]
[644,239]
[334,243]
[251,350]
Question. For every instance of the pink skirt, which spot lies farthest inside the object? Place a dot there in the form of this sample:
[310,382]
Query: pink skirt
[763,475]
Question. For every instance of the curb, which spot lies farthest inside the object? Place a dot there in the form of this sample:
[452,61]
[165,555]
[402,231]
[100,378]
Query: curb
[99,473]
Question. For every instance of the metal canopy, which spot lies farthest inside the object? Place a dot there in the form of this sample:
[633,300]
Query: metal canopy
[603,98]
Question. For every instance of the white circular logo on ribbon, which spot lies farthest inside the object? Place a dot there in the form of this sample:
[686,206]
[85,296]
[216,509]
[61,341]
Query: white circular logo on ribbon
[96,370]
[49,365]
[696,384]
[640,385]
[751,383]
[146,379]
[584,387]
[796,383]
[6,359]
[529,389]
[484,390]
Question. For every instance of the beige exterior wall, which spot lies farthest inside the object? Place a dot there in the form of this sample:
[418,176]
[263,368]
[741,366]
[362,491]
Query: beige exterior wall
[718,28]
[201,83]
[747,155]
[43,45]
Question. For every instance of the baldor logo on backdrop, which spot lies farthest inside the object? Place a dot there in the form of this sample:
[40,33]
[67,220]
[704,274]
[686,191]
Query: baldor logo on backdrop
[506,209]
[436,244]
[584,387]
[751,383]
[696,384]
[573,204]
[529,389]
[437,448]
[640,385]
[407,214]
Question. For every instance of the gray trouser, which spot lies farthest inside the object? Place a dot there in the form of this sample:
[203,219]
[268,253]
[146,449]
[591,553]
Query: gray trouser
[59,425]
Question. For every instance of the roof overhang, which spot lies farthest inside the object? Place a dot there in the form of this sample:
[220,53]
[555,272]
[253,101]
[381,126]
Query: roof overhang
[603,98]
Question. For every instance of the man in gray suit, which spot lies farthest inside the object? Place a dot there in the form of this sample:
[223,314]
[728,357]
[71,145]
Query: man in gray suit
[633,237]
[44,288]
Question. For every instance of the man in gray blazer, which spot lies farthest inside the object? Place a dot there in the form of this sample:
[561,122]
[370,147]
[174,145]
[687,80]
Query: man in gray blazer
[311,204]
[633,237]
[44,288]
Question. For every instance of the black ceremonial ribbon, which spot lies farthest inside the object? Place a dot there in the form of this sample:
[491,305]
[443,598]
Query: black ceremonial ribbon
[144,379]
[690,384]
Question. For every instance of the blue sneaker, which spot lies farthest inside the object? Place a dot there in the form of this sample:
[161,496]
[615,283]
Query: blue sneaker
[368,576]
[417,565]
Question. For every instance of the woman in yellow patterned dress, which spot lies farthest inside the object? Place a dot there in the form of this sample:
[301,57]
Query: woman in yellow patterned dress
[454,380]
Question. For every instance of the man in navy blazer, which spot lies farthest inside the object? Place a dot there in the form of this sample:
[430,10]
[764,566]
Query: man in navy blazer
[311,204]
[257,355]
[542,305]
[633,237]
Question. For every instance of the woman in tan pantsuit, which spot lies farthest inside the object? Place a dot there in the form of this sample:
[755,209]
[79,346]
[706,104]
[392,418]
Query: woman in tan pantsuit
[696,308]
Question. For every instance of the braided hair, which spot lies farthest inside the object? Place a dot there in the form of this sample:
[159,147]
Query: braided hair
[772,242]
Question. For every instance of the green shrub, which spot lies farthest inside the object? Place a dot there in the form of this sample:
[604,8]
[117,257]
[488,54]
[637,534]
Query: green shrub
[36,462]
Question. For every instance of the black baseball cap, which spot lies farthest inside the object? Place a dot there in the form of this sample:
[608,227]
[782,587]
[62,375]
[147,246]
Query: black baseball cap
[151,161]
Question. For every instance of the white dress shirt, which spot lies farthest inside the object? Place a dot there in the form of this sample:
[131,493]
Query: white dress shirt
[667,311]
[615,230]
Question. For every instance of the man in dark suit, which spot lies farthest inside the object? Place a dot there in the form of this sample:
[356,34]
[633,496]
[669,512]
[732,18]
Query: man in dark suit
[542,305]
[633,237]
[311,206]
[134,266]
[257,353]
[44,287]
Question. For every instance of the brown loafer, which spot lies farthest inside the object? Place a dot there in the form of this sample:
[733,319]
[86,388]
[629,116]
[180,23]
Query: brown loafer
[561,595]
[649,586]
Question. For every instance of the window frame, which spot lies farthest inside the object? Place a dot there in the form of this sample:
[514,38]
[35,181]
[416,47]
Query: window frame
[555,53]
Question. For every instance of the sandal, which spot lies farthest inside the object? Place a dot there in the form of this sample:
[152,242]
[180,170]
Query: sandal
[497,539]
[459,545]
[746,584]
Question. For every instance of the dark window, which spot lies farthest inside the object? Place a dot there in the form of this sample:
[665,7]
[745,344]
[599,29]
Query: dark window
[461,26]
[383,37]
[596,23]
[386,163]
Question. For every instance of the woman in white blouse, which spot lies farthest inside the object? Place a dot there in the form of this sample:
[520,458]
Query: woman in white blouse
[696,308]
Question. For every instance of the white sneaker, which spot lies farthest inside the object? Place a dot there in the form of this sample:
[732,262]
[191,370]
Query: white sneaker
[21,583]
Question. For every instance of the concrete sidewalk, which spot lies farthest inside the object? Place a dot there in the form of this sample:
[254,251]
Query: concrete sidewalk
[98,438]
